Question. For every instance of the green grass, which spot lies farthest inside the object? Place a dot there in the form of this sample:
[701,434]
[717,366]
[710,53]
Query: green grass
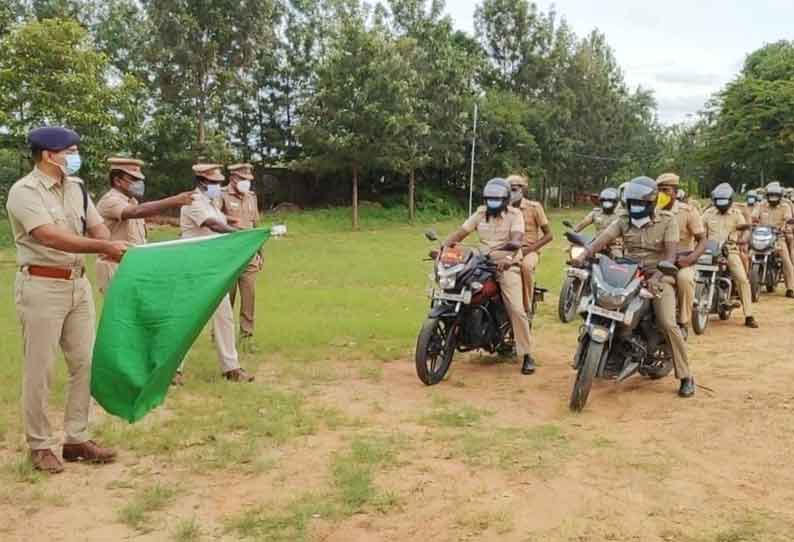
[137,513]
[187,531]
[445,413]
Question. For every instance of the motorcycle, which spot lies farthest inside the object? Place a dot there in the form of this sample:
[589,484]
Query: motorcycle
[576,283]
[766,267]
[466,310]
[714,289]
[619,337]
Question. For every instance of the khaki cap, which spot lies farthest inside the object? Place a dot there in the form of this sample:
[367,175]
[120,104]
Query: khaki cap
[211,172]
[130,166]
[244,171]
[518,179]
[670,179]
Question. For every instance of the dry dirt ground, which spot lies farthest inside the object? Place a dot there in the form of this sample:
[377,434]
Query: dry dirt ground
[486,455]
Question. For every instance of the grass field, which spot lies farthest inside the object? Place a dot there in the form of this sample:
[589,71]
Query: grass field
[338,441]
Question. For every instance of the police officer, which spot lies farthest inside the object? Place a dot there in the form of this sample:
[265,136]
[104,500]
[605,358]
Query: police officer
[651,235]
[202,218]
[124,215]
[54,222]
[602,216]
[498,223]
[691,244]
[535,224]
[773,213]
[239,204]
[722,221]
[751,200]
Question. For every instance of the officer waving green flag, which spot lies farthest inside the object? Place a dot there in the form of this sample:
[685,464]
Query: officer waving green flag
[157,304]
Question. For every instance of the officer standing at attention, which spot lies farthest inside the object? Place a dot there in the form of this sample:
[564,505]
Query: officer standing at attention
[239,204]
[535,223]
[200,219]
[54,222]
[650,235]
[498,224]
[691,242]
[122,213]
[722,222]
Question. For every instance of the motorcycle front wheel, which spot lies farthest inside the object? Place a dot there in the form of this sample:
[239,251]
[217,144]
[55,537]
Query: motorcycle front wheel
[755,283]
[569,299]
[772,278]
[585,375]
[700,313]
[435,347]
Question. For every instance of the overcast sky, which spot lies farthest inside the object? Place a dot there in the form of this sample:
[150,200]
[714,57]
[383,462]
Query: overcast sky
[682,50]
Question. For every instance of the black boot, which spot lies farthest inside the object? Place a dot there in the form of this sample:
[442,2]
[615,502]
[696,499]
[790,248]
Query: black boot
[750,322]
[789,293]
[528,367]
[687,388]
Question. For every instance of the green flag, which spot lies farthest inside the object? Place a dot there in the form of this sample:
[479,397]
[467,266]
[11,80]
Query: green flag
[159,300]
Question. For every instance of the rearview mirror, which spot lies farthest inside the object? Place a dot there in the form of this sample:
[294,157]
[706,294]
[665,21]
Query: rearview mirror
[667,268]
[431,235]
[567,224]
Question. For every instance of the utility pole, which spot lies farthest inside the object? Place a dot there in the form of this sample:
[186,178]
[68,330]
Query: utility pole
[471,174]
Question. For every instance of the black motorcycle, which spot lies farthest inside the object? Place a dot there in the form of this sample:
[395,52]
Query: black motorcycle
[576,283]
[619,337]
[766,269]
[715,292]
[466,310]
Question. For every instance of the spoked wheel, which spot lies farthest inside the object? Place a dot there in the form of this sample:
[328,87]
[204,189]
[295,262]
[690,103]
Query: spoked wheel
[585,375]
[755,283]
[700,312]
[435,347]
[569,299]
[771,280]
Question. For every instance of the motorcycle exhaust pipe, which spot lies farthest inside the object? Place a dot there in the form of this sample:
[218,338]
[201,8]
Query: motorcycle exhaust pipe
[628,371]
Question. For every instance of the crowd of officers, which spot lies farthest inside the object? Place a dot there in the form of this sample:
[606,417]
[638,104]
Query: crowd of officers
[55,223]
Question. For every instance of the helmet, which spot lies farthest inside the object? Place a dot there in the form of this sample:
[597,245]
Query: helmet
[668,179]
[608,198]
[774,193]
[789,193]
[640,197]
[752,198]
[621,190]
[722,197]
[681,195]
[496,195]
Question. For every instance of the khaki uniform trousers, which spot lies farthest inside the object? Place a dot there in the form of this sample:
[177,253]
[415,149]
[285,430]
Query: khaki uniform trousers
[55,313]
[223,336]
[528,265]
[664,308]
[741,282]
[685,290]
[247,286]
[788,269]
[512,294]
[105,270]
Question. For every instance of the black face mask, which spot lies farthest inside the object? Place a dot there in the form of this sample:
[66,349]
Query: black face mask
[774,202]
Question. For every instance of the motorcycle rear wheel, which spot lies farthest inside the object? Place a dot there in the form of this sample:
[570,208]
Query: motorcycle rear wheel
[566,308]
[585,375]
[435,347]
[755,283]
[700,314]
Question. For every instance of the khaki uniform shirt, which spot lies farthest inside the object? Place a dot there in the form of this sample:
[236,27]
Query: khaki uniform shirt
[599,219]
[767,215]
[534,220]
[242,207]
[646,245]
[496,231]
[110,207]
[747,211]
[37,200]
[191,217]
[690,225]
[722,227]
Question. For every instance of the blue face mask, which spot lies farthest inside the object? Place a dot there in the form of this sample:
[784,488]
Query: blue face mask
[213,191]
[493,204]
[750,201]
[73,163]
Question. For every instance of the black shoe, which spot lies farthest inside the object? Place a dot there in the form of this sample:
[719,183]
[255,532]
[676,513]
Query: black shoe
[750,322]
[528,367]
[687,388]
[789,293]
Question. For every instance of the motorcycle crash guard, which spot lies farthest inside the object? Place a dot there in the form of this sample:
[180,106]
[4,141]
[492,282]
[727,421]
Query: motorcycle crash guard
[443,310]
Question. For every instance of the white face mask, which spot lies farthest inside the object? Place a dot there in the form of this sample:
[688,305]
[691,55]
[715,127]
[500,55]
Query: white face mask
[243,187]
[640,222]
[213,191]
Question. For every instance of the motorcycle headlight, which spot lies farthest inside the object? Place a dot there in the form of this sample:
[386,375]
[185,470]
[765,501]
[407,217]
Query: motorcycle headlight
[447,276]
[446,283]
[610,300]
[760,244]
[576,252]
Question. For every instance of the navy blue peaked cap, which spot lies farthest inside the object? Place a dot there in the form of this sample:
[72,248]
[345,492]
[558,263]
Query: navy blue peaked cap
[52,138]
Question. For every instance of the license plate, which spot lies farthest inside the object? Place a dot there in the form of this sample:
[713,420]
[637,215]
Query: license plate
[612,315]
[464,297]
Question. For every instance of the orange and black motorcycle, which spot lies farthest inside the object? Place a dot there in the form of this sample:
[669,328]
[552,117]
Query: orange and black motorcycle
[466,311]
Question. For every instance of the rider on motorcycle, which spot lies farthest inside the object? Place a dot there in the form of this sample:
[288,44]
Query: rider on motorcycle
[773,213]
[537,233]
[683,196]
[649,237]
[751,200]
[692,240]
[498,223]
[602,216]
[721,221]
